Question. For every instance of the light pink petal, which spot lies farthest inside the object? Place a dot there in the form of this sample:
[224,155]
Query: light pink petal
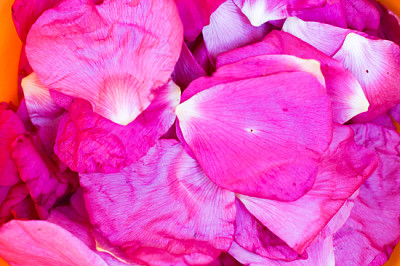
[187,68]
[87,142]
[326,38]
[230,29]
[242,132]
[321,253]
[344,167]
[43,243]
[107,53]
[45,181]
[256,238]
[361,15]
[372,231]
[195,14]
[346,94]
[376,65]
[162,202]
[25,13]
[261,11]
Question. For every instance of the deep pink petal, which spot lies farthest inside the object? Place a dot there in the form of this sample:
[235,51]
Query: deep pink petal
[361,15]
[107,53]
[230,29]
[24,69]
[240,132]
[389,26]
[261,11]
[346,94]
[43,243]
[370,234]
[87,142]
[162,202]
[344,167]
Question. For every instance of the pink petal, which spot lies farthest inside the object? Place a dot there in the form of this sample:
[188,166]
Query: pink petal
[195,14]
[389,27]
[376,65]
[43,243]
[262,113]
[25,13]
[107,53]
[361,15]
[321,253]
[261,11]
[24,69]
[87,142]
[372,231]
[230,29]
[344,167]
[164,202]
[346,94]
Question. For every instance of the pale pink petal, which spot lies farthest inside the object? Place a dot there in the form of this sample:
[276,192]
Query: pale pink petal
[376,65]
[195,14]
[372,231]
[230,29]
[248,135]
[43,243]
[87,142]
[187,68]
[261,11]
[343,168]
[107,53]
[321,253]
[162,202]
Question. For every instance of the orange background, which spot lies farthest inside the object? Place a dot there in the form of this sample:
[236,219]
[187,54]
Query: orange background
[10,47]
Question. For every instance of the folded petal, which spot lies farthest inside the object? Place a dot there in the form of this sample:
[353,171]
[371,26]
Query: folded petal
[344,167]
[372,230]
[87,142]
[345,92]
[230,29]
[376,65]
[261,11]
[43,243]
[162,202]
[107,53]
[195,14]
[248,135]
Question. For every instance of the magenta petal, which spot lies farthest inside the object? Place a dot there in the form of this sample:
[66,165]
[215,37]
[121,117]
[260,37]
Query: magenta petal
[230,29]
[43,243]
[248,135]
[261,11]
[372,231]
[163,201]
[361,15]
[344,167]
[87,142]
[107,53]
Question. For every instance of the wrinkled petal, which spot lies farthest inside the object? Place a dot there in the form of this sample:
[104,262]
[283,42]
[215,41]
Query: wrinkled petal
[87,142]
[107,53]
[346,94]
[230,29]
[44,180]
[43,243]
[187,68]
[195,14]
[343,168]
[320,253]
[261,11]
[370,234]
[162,202]
[248,135]
[25,13]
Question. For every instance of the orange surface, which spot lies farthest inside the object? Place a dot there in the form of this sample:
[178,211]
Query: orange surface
[10,47]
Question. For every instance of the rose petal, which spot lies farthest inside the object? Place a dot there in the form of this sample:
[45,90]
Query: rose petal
[87,50]
[162,202]
[87,142]
[361,15]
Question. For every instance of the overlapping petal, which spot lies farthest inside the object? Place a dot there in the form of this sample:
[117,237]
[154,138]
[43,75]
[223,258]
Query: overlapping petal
[114,54]
[162,203]
[87,142]
[258,135]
